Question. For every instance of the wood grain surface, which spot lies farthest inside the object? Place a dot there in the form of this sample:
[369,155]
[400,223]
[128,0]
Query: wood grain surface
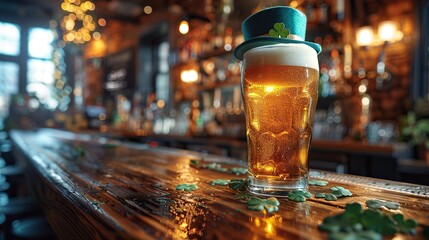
[98,188]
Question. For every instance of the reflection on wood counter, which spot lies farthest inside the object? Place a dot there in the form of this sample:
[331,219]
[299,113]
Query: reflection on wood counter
[95,188]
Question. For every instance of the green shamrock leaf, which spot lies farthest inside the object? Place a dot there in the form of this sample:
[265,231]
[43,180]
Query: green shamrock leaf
[353,209]
[330,197]
[356,223]
[255,204]
[238,170]
[363,235]
[379,204]
[242,196]
[238,184]
[320,195]
[110,145]
[215,167]
[186,187]
[405,226]
[299,195]
[320,183]
[374,220]
[347,221]
[270,204]
[279,31]
[194,163]
[221,182]
[327,196]
[340,191]
[336,192]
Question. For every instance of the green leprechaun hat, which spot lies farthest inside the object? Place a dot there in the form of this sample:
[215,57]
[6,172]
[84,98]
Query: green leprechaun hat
[272,26]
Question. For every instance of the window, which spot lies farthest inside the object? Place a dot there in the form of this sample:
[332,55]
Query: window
[40,43]
[8,85]
[9,39]
[8,78]
[38,80]
[40,68]
[9,71]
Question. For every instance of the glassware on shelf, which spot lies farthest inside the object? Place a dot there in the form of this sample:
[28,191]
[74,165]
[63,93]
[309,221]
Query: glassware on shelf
[381,132]
[330,124]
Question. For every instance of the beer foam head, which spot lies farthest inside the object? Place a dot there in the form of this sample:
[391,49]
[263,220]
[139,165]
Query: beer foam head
[299,55]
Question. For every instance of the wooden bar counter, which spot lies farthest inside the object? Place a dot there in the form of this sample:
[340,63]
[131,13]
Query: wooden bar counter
[97,188]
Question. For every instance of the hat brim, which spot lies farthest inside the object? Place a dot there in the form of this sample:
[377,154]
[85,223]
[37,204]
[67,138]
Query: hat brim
[265,40]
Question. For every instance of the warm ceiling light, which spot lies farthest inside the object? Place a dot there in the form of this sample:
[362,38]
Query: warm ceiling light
[294,4]
[184,27]
[188,76]
[160,103]
[387,31]
[86,37]
[96,35]
[364,36]
[70,24]
[70,37]
[102,22]
[78,24]
[366,101]
[147,9]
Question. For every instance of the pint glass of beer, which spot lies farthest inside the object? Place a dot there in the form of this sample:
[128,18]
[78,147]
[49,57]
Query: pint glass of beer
[279,81]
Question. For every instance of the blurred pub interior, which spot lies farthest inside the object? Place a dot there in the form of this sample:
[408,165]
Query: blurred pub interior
[161,72]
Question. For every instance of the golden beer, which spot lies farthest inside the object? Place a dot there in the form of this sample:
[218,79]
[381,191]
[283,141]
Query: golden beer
[280,98]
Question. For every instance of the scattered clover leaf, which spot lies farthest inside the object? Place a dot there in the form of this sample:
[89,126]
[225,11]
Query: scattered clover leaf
[330,197]
[349,220]
[279,31]
[405,226]
[353,209]
[110,145]
[375,203]
[299,195]
[378,222]
[270,204]
[221,182]
[242,196]
[215,167]
[336,192]
[238,184]
[238,170]
[194,163]
[320,183]
[362,235]
[320,195]
[356,223]
[186,187]
[340,191]
[255,204]
[327,196]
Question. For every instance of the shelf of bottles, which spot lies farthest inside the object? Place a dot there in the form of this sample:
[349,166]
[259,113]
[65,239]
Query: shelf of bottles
[207,83]
[325,25]
[206,79]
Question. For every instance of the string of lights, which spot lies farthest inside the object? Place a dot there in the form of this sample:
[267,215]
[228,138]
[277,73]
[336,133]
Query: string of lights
[78,25]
